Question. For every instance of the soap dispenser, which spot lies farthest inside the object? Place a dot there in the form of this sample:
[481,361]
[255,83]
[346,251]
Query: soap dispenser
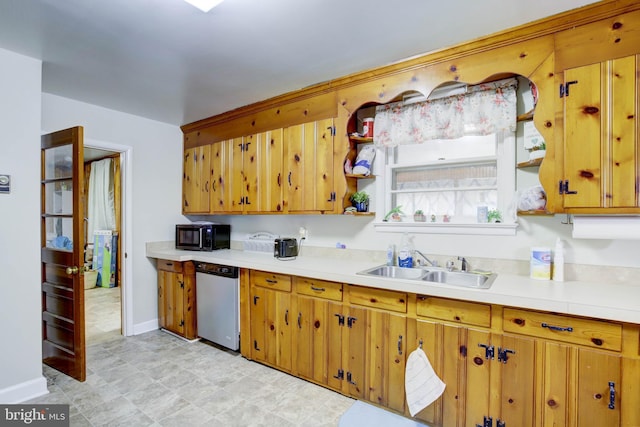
[405,253]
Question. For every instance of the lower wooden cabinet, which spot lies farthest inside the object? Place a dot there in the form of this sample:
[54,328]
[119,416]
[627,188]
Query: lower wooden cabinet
[501,367]
[177,297]
[271,319]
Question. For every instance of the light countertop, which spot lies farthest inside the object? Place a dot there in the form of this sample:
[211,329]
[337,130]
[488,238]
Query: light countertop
[610,301]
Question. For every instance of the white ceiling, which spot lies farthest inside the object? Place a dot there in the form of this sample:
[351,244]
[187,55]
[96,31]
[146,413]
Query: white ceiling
[168,61]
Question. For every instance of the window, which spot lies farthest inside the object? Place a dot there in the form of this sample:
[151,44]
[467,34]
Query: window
[449,179]
[450,157]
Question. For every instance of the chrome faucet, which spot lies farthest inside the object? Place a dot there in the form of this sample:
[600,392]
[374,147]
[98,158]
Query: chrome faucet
[431,263]
[465,265]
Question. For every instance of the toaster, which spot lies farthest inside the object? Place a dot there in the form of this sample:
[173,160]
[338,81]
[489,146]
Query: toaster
[286,248]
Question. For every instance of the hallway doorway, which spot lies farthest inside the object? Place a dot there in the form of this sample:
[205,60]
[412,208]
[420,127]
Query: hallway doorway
[107,310]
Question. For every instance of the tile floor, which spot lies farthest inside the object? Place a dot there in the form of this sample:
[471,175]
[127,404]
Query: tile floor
[156,379]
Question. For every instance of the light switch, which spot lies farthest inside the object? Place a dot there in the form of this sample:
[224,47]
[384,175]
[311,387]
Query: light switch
[5,184]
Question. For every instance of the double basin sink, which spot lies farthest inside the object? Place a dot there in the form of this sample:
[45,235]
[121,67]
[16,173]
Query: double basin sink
[434,274]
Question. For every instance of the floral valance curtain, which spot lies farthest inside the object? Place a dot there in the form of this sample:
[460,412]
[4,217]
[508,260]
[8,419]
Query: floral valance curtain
[484,109]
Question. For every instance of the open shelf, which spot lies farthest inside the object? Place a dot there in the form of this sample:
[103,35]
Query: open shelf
[530,163]
[361,139]
[535,213]
[360,213]
[526,117]
[352,175]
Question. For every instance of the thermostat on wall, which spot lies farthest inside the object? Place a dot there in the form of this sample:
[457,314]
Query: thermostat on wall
[5,183]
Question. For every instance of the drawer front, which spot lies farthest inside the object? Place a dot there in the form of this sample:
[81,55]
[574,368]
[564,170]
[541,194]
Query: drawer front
[592,333]
[468,313]
[280,282]
[167,265]
[318,288]
[378,298]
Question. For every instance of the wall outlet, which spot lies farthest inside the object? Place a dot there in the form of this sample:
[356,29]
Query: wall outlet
[303,233]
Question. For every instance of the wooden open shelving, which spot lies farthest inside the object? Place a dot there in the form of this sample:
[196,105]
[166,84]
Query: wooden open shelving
[530,163]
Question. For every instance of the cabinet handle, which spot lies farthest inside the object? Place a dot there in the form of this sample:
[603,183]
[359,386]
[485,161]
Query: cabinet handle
[289,178]
[612,395]
[299,320]
[313,288]
[255,345]
[286,317]
[271,281]
[213,185]
[557,328]
[279,180]
[489,351]
[399,344]
[349,379]
[350,321]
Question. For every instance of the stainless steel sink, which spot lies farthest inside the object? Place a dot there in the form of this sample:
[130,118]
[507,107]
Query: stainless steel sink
[461,278]
[455,278]
[395,272]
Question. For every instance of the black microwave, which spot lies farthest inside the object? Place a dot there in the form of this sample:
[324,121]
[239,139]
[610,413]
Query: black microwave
[203,236]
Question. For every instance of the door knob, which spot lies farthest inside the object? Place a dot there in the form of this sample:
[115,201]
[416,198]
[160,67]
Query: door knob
[72,270]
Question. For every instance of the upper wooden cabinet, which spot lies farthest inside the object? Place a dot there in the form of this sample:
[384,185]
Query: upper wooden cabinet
[309,167]
[600,145]
[196,179]
[592,160]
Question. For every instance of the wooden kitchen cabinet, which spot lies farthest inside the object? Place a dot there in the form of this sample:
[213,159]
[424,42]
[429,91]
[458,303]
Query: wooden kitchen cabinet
[177,297]
[271,319]
[601,154]
[488,375]
[309,159]
[220,177]
[318,332]
[581,384]
[515,367]
[249,178]
[385,345]
[196,179]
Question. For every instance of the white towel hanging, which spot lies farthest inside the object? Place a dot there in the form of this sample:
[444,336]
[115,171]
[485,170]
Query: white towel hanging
[421,383]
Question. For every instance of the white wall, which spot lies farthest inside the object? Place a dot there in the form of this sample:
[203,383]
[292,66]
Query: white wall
[359,233]
[157,184]
[20,306]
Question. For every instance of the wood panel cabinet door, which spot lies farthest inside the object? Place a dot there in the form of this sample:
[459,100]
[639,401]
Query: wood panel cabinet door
[477,378]
[271,327]
[516,358]
[557,377]
[601,141]
[309,166]
[386,351]
[318,348]
[355,319]
[220,179]
[237,175]
[176,300]
[598,388]
[444,346]
[196,179]
[270,183]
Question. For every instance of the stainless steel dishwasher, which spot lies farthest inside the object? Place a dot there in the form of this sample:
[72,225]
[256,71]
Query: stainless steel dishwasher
[218,304]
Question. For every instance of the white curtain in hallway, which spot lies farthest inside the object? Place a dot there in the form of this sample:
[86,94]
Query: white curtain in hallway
[101,212]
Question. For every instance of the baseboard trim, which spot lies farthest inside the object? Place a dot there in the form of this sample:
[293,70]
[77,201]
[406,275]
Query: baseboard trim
[141,328]
[22,392]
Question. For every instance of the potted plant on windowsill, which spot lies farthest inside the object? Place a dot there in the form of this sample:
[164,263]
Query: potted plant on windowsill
[419,216]
[360,199]
[395,214]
